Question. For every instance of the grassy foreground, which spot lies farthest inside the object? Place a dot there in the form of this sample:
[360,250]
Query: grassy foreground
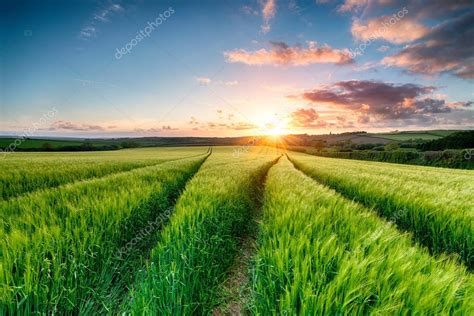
[60,246]
[320,254]
[198,245]
[435,204]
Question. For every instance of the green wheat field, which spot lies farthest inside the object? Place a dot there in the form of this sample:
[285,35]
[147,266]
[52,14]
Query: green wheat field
[232,231]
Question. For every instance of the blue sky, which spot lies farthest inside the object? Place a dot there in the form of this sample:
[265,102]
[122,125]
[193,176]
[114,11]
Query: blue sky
[225,68]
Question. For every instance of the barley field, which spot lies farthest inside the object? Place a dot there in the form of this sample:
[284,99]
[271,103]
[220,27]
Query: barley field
[232,231]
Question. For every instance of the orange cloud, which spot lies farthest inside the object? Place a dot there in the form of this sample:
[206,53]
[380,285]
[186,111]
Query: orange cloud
[282,54]
[307,118]
[268,12]
[392,29]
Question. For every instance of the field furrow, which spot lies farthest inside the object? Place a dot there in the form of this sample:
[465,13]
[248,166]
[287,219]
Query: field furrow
[24,173]
[75,249]
[321,254]
[435,204]
[199,244]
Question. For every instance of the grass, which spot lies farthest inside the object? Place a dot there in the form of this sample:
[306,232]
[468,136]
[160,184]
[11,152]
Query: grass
[27,172]
[199,244]
[412,135]
[435,204]
[60,246]
[320,254]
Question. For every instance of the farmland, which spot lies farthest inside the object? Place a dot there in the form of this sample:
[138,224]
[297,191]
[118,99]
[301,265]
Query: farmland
[159,231]
[422,135]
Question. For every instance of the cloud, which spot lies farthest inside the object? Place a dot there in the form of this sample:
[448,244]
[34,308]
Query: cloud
[448,48]
[437,9]
[355,5]
[282,54]
[379,100]
[242,126]
[249,10]
[363,119]
[367,66]
[88,32]
[233,126]
[307,118]
[203,81]
[383,48]
[393,29]
[230,83]
[67,125]
[417,9]
[227,83]
[168,128]
[193,121]
[147,130]
[101,15]
[268,12]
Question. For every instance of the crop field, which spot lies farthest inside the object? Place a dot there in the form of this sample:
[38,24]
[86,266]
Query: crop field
[421,135]
[232,231]
[46,170]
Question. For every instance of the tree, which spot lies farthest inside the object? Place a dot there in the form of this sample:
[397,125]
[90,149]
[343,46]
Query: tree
[392,146]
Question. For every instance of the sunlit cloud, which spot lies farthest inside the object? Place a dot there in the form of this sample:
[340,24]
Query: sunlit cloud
[282,54]
[447,48]
[418,9]
[379,100]
[268,12]
[403,30]
[306,118]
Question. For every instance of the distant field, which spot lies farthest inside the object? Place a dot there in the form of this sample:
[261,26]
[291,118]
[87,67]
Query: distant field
[232,230]
[405,136]
[37,143]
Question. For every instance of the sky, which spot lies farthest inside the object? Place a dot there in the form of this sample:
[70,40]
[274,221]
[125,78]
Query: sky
[232,68]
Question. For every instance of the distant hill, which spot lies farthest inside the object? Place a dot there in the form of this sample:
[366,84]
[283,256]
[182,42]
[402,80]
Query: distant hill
[79,144]
[414,135]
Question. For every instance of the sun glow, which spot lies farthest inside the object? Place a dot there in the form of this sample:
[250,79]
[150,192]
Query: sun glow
[273,125]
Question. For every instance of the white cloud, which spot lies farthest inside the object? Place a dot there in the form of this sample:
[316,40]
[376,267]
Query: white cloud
[203,81]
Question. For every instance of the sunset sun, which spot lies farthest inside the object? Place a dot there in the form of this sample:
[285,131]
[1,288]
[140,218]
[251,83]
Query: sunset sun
[272,125]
